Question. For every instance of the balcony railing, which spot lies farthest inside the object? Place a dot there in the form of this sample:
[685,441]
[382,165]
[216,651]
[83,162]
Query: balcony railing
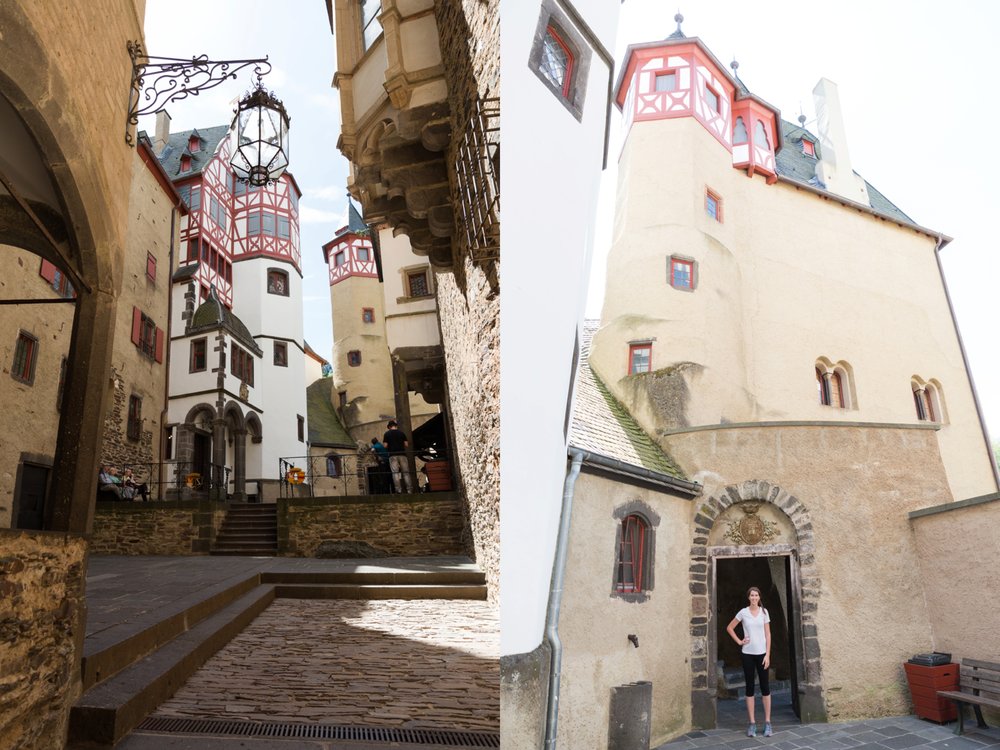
[325,475]
[171,480]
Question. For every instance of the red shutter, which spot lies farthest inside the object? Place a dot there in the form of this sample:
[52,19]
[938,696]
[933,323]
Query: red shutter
[159,344]
[136,325]
[48,271]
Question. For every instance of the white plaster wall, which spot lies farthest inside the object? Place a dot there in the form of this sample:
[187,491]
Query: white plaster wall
[282,397]
[550,244]
[420,43]
[269,314]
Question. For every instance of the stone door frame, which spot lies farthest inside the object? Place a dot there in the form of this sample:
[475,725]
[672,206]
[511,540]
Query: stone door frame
[805,596]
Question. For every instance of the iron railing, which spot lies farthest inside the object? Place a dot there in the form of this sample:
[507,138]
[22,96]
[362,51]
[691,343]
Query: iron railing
[171,480]
[361,474]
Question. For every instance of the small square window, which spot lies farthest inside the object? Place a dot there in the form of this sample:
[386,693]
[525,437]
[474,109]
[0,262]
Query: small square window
[666,82]
[712,99]
[280,354]
[277,282]
[713,205]
[339,259]
[354,358]
[556,65]
[416,284]
[639,358]
[364,254]
[367,314]
[808,148]
[25,357]
[681,273]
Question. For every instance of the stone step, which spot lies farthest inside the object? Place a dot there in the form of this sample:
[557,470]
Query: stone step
[256,523]
[247,552]
[370,591]
[254,534]
[111,709]
[107,653]
[380,577]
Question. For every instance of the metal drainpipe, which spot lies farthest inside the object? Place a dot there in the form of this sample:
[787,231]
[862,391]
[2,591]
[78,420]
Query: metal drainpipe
[555,600]
[162,470]
[965,361]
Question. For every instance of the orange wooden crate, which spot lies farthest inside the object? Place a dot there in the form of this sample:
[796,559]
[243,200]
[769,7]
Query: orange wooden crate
[925,682]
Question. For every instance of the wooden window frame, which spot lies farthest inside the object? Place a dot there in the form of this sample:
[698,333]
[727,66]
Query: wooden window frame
[133,427]
[354,358]
[646,346]
[367,251]
[241,365]
[150,266]
[367,314]
[412,273]
[711,94]
[276,274]
[633,558]
[147,337]
[551,31]
[664,74]
[808,148]
[193,357]
[336,462]
[25,358]
[710,197]
[682,261]
[282,360]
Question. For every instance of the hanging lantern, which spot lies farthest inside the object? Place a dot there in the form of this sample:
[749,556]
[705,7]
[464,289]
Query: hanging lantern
[260,138]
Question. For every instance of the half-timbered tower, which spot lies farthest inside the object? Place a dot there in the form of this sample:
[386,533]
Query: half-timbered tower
[387,358]
[237,353]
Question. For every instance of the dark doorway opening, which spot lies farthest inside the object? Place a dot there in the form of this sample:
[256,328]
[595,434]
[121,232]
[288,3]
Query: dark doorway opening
[202,458]
[774,576]
[29,509]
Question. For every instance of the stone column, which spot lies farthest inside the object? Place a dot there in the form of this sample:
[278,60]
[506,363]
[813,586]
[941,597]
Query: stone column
[240,466]
[402,395]
[218,459]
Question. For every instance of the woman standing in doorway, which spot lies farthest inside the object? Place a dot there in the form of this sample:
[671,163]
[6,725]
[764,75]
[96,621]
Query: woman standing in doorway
[756,643]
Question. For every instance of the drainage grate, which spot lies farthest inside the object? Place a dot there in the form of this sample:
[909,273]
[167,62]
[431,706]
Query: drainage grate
[446,737]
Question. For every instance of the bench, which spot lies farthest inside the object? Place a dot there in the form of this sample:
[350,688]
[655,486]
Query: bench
[978,685]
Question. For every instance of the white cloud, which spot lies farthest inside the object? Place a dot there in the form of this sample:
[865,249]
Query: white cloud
[327,192]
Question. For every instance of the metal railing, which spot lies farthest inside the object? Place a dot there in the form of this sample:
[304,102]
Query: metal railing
[362,474]
[172,480]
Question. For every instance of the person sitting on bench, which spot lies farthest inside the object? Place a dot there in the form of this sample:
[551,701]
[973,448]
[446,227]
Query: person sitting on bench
[131,487]
[109,481]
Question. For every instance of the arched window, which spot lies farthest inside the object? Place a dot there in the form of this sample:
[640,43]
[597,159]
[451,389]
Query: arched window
[334,465]
[833,384]
[632,570]
[927,400]
[760,135]
[739,132]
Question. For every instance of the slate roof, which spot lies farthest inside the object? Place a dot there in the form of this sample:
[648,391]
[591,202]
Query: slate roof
[325,427]
[794,164]
[602,425]
[177,146]
[212,314]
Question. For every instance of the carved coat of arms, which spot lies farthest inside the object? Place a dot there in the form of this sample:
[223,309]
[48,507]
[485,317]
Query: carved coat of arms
[751,529]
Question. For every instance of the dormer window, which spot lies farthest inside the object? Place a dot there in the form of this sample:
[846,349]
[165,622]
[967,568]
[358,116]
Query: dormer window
[808,148]
[666,81]
[194,144]
[185,164]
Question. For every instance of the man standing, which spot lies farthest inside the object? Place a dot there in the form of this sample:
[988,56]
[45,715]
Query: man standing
[395,441]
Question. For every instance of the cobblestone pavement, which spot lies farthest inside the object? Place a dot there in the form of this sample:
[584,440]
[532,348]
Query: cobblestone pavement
[424,663]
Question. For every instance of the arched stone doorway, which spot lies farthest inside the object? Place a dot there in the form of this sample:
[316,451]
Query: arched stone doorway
[754,521]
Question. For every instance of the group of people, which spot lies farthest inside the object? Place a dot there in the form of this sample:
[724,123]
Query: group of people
[390,453]
[124,486]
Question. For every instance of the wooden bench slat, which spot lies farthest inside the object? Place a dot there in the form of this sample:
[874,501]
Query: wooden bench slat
[982,664]
[977,683]
[969,698]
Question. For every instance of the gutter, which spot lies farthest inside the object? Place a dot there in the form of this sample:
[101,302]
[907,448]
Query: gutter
[604,464]
[941,242]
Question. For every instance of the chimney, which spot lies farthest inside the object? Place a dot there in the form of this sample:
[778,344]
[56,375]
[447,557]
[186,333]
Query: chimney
[162,131]
[834,169]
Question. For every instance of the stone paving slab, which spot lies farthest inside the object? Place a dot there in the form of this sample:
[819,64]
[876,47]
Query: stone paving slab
[888,733]
[425,663]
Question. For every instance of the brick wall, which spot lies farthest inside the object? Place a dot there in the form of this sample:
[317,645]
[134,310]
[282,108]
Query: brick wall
[41,593]
[181,527]
[405,527]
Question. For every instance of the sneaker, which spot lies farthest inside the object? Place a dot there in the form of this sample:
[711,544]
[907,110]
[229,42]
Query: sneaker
[767,729]
[751,730]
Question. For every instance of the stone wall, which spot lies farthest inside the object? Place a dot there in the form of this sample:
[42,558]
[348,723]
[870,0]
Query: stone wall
[403,526]
[959,552]
[41,634]
[180,527]
[469,294]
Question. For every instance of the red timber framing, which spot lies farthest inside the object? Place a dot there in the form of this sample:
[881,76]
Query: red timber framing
[222,224]
[698,79]
[350,255]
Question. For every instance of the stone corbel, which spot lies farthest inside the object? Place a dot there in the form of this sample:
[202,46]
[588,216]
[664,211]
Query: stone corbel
[398,87]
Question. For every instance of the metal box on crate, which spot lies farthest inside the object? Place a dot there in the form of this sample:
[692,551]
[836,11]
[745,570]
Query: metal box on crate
[925,682]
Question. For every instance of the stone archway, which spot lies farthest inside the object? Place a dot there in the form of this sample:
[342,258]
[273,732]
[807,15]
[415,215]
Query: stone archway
[807,585]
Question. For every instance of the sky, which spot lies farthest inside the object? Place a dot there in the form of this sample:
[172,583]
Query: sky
[919,105]
[296,38]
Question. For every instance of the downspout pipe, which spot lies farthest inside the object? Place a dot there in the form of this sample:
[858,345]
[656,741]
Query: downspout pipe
[941,242]
[555,599]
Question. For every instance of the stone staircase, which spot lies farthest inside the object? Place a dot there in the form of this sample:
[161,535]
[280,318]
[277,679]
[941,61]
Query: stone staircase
[249,529]
[130,669]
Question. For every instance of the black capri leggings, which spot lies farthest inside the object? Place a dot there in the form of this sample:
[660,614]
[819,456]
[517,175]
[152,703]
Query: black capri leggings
[752,663]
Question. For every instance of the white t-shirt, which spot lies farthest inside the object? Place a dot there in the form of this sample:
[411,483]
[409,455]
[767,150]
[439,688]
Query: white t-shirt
[753,627]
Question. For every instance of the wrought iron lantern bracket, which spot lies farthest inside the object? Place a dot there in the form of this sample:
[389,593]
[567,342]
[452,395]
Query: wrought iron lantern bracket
[172,79]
